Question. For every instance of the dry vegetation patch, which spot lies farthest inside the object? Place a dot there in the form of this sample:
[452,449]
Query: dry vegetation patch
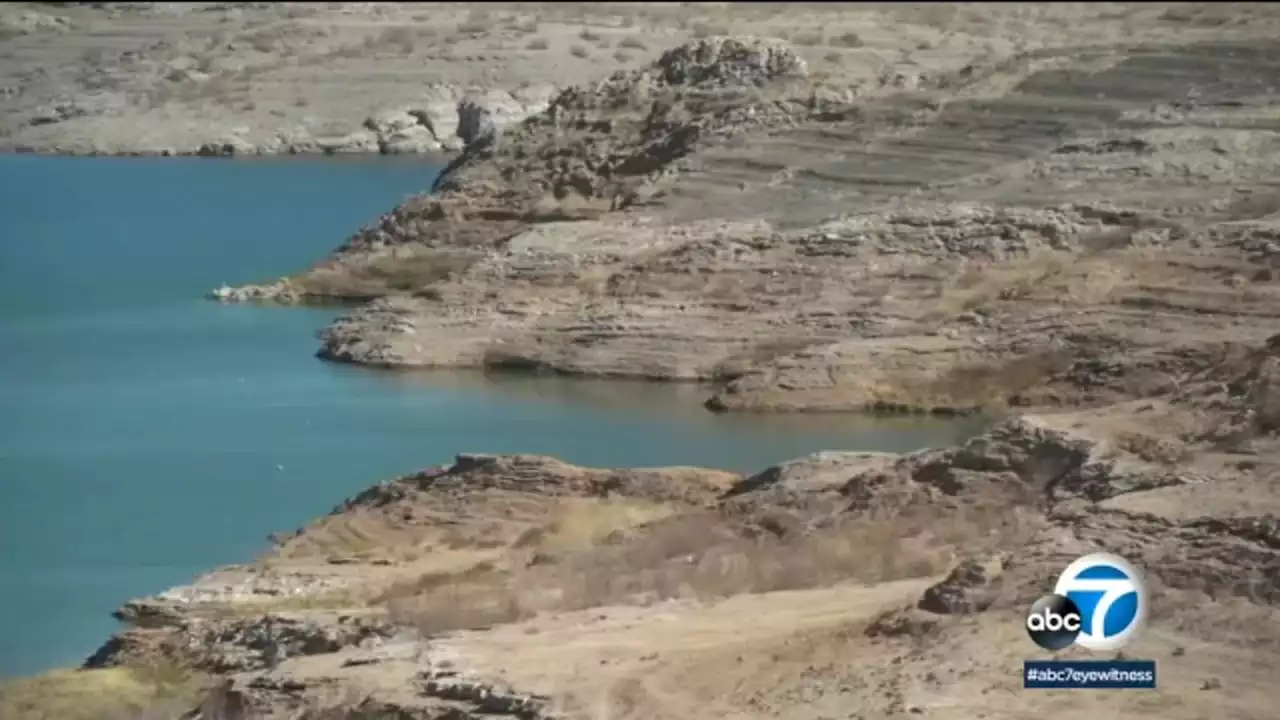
[156,692]
[617,553]
[403,272]
[979,284]
[991,386]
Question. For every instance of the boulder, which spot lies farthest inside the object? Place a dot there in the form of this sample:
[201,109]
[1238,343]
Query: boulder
[967,589]
[476,120]
[56,113]
[481,116]
[359,141]
[390,121]
[727,61]
[227,146]
[30,23]
[295,141]
[438,110]
[535,98]
[413,139]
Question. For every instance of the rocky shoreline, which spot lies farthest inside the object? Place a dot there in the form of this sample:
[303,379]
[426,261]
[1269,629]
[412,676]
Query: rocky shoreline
[481,575]
[1078,237]
[444,122]
[217,79]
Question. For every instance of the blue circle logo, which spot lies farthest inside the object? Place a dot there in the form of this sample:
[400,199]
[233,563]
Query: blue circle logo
[1110,597]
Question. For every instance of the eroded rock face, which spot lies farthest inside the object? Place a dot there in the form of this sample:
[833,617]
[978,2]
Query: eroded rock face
[482,115]
[728,61]
[241,644]
[264,641]
[580,146]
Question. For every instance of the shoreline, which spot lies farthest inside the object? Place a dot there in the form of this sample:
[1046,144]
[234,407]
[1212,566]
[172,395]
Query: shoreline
[1020,232]
[441,158]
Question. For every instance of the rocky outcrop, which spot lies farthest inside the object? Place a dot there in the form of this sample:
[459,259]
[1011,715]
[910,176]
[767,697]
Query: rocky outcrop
[1014,503]
[401,132]
[438,124]
[966,590]
[31,23]
[594,244]
[223,646]
[544,478]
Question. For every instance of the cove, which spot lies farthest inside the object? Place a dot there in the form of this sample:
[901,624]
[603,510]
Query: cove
[147,435]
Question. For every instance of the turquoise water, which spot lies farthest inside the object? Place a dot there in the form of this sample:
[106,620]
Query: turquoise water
[147,435]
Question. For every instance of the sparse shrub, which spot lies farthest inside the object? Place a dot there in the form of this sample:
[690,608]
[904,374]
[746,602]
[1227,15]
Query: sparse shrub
[622,57]
[633,43]
[1153,448]
[528,27]
[477,22]
[809,39]
[579,51]
[409,273]
[590,35]
[705,30]
[758,354]
[832,57]
[93,56]
[849,39]
[985,386]
[935,15]
[161,690]
[1178,14]
[400,38]
[263,42]
[538,44]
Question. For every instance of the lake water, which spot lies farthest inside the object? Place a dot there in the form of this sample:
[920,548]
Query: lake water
[147,435]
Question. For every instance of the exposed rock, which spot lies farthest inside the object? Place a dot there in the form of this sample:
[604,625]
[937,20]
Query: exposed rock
[967,589]
[391,121]
[727,61]
[414,139]
[231,145]
[806,481]
[150,612]
[1121,284]
[28,23]
[359,141]
[439,111]
[262,642]
[546,477]
[240,644]
[476,122]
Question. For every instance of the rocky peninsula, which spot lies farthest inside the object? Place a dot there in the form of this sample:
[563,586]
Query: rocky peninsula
[1076,233]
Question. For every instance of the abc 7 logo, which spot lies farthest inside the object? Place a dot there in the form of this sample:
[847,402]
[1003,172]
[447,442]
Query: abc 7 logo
[1099,603]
